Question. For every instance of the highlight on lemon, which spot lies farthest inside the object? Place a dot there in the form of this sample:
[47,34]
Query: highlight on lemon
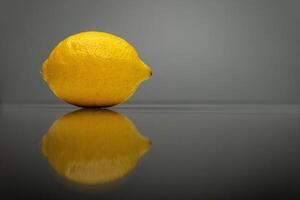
[94,69]
[92,146]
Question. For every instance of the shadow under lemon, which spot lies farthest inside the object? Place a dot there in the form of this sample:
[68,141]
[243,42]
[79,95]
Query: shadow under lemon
[93,146]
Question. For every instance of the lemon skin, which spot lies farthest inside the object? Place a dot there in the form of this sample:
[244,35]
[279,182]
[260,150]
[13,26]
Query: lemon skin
[94,69]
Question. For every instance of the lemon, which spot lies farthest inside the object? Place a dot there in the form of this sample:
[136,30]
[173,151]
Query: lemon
[93,146]
[94,69]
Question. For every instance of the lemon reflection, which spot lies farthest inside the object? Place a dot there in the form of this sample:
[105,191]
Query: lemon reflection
[92,146]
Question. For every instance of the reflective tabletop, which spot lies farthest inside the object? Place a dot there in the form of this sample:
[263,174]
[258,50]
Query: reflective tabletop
[150,152]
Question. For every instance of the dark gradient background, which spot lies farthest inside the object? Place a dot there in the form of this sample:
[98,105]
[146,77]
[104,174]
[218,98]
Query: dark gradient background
[201,51]
[222,108]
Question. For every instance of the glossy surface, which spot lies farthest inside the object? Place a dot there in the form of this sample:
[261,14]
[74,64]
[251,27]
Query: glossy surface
[216,152]
[93,146]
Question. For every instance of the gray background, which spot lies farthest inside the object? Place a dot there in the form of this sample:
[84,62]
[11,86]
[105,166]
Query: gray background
[214,51]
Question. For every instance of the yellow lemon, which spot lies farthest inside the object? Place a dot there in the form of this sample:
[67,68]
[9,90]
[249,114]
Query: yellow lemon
[93,146]
[92,69]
